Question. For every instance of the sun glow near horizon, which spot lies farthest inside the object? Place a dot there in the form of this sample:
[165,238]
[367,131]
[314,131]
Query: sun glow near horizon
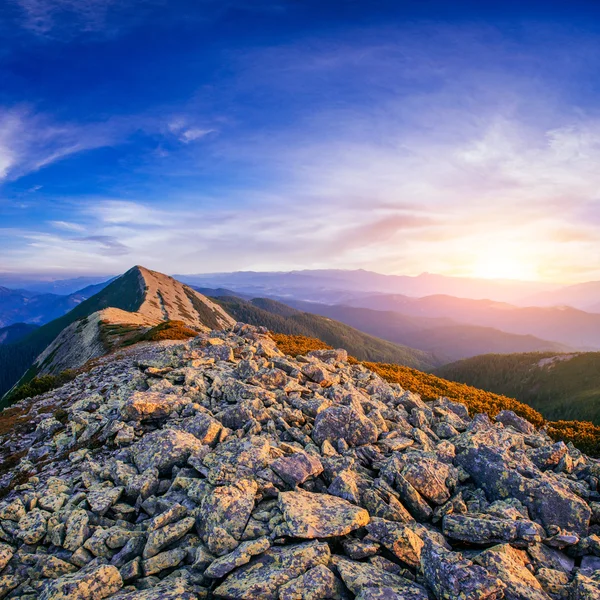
[498,264]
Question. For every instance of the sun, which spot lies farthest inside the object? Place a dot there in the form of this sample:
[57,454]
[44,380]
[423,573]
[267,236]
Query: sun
[495,265]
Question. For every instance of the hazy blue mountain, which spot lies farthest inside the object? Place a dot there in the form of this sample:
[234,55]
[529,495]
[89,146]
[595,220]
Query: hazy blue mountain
[13,333]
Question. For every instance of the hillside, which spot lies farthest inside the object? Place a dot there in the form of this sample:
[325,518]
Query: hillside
[151,296]
[13,333]
[247,473]
[280,318]
[446,339]
[560,386]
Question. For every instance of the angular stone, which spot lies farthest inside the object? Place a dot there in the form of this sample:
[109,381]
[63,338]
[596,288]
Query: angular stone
[344,422]
[227,507]
[101,500]
[33,526]
[483,529]
[240,556]
[6,553]
[13,511]
[309,515]
[51,567]
[412,499]
[144,406]
[206,428]
[164,560]
[297,468]
[8,583]
[361,577]
[164,449]
[505,563]
[509,419]
[172,514]
[264,575]
[91,583]
[428,476]
[500,475]
[451,576]
[171,589]
[237,459]
[77,530]
[317,583]
[400,539]
[163,537]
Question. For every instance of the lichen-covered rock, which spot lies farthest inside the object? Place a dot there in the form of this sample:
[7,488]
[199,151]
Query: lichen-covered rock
[501,474]
[101,500]
[240,556]
[143,406]
[6,553]
[236,459]
[318,582]
[32,527]
[344,422]
[228,509]
[194,468]
[361,577]
[164,449]
[91,583]
[163,561]
[484,529]
[452,576]
[165,536]
[263,576]
[508,565]
[308,515]
[297,468]
[77,530]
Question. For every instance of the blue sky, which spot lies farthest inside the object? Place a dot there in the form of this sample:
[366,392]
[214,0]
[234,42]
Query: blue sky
[209,136]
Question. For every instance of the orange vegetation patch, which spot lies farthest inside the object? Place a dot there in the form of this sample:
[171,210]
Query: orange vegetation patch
[169,330]
[293,345]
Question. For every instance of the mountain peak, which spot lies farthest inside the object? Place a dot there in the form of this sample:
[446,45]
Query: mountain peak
[138,299]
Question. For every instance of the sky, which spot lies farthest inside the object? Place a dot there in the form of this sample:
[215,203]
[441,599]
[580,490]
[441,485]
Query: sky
[460,138]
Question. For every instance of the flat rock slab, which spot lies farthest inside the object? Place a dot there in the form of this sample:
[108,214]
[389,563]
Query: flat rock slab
[309,515]
[88,584]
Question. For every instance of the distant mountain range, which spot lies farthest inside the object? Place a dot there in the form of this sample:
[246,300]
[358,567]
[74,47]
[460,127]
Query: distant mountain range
[564,325]
[336,285]
[447,340]
[27,306]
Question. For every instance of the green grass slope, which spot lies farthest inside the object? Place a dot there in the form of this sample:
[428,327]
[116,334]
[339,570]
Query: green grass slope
[280,318]
[560,386]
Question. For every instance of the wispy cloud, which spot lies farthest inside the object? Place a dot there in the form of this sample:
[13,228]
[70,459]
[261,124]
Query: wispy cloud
[30,140]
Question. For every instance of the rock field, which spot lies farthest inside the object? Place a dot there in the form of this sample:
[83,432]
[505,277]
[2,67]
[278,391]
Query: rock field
[220,468]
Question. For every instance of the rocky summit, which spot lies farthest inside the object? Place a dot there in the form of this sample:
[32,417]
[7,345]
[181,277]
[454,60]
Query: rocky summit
[221,468]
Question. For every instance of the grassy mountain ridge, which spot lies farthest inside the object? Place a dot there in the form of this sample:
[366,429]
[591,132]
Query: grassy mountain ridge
[280,318]
[561,386]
